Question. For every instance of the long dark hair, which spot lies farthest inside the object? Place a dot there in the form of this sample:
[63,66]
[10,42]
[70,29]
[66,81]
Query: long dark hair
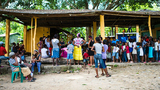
[98,40]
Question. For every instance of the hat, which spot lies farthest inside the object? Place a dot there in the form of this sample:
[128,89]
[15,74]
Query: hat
[11,54]
[1,43]
[36,50]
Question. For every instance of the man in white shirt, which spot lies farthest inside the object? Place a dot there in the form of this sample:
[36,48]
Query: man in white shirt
[55,44]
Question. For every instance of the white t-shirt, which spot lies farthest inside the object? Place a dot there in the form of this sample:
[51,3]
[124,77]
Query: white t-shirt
[70,49]
[124,47]
[114,49]
[156,46]
[134,45]
[78,41]
[159,46]
[98,48]
[55,43]
[44,52]
[130,44]
[117,49]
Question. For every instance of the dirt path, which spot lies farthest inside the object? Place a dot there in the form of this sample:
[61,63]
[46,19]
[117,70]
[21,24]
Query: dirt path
[143,77]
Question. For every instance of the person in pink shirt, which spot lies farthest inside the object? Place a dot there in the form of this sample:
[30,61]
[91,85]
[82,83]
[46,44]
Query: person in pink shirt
[127,51]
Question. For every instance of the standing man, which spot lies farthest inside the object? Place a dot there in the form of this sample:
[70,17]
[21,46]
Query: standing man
[55,50]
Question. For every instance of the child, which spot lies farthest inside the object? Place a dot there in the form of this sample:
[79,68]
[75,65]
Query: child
[156,49]
[120,51]
[109,52]
[85,57]
[114,52]
[141,53]
[130,48]
[124,56]
[104,56]
[70,49]
[98,56]
[138,52]
[117,53]
[150,54]
[33,58]
[134,52]
[127,52]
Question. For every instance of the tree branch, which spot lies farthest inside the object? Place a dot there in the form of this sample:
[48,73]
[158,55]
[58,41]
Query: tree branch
[70,5]
[93,4]
[106,3]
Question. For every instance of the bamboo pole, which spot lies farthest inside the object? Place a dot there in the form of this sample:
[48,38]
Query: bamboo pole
[7,36]
[137,37]
[116,31]
[94,30]
[35,30]
[25,37]
[102,26]
[31,36]
[149,25]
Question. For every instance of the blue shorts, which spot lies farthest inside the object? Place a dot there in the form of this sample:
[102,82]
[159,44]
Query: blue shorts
[100,66]
[55,53]
[130,49]
[69,56]
[144,50]
[113,54]
[117,55]
[85,60]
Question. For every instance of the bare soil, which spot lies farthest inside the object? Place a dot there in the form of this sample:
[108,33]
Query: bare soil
[144,77]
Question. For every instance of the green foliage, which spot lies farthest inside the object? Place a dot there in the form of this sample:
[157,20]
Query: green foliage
[115,65]
[65,70]
[78,68]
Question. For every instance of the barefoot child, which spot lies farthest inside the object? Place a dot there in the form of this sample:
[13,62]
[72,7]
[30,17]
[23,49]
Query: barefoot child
[98,56]
[85,58]
[70,49]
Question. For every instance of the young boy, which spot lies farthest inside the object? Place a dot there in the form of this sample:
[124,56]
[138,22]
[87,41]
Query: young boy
[117,53]
[114,52]
[70,49]
[85,57]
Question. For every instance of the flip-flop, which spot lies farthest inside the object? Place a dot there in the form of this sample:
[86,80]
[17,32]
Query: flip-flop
[96,76]
[102,74]
[34,79]
[108,76]
[31,80]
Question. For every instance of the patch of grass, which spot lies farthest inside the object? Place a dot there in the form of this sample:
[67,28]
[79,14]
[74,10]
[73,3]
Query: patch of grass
[137,73]
[108,65]
[53,72]
[65,70]
[78,68]
[84,84]
[100,88]
[115,65]
[130,65]
[73,70]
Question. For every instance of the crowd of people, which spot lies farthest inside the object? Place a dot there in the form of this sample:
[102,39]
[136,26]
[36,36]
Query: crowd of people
[95,51]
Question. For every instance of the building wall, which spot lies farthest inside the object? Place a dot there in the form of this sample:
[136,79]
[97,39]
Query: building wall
[41,31]
[155,32]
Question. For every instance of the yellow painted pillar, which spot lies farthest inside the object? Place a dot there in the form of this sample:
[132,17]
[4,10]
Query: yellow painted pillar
[137,31]
[25,37]
[149,25]
[94,30]
[90,31]
[116,31]
[31,36]
[102,26]
[35,31]
[7,36]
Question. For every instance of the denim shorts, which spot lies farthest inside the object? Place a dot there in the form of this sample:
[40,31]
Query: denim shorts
[85,60]
[98,57]
[55,53]
[69,56]
[117,55]
[113,54]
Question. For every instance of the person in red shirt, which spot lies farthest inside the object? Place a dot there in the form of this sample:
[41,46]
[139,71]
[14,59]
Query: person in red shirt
[2,53]
[85,58]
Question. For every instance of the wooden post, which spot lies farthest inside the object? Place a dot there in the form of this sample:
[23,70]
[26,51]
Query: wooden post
[90,31]
[149,25]
[31,36]
[138,39]
[116,31]
[94,30]
[87,33]
[25,37]
[35,31]
[102,26]
[7,36]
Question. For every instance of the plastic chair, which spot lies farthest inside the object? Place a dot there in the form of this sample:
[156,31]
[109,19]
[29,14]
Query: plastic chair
[17,73]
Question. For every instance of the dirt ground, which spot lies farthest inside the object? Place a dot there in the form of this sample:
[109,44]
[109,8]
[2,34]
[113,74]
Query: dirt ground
[144,77]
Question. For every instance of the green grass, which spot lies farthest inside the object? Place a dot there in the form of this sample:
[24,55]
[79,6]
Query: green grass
[78,68]
[115,65]
[73,70]
[65,70]
[84,84]
[137,73]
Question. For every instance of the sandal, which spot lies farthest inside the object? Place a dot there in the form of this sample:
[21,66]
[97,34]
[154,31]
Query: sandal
[31,80]
[108,75]
[96,76]
[102,74]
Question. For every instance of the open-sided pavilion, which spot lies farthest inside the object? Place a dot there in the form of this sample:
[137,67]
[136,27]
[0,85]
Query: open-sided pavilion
[76,18]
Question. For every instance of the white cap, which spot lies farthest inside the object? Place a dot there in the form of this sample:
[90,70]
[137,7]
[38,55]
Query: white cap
[11,54]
